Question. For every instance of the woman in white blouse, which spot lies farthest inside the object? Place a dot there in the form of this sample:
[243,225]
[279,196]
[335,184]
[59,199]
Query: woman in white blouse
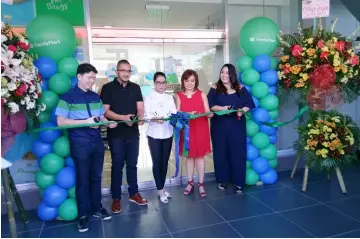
[160,105]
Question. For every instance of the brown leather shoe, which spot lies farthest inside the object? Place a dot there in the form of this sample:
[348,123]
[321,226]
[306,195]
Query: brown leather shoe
[138,200]
[116,206]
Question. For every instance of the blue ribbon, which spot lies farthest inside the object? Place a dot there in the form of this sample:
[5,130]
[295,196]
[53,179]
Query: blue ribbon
[180,121]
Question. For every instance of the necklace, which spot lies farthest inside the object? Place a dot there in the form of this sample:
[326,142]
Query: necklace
[189,96]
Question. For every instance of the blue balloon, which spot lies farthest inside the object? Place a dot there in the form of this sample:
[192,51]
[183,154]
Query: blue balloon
[270,77]
[269,177]
[66,178]
[248,140]
[252,152]
[74,55]
[260,165]
[74,81]
[53,116]
[54,195]
[248,88]
[69,162]
[273,139]
[40,149]
[47,213]
[260,115]
[273,90]
[44,84]
[256,101]
[268,130]
[46,66]
[261,63]
[239,77]
[49,136]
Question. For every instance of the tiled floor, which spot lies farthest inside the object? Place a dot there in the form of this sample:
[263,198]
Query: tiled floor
[280,210]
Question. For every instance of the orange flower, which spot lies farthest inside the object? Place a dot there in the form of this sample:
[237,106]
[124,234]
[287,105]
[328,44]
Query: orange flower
[295,69]
[336,69]
[310,51]
[284,58]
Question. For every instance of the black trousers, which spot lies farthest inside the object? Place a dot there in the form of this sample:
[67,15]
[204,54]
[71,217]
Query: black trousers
[88,156]
[160,150]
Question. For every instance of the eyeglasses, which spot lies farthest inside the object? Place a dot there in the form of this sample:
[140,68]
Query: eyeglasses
[160,83]
[127,71]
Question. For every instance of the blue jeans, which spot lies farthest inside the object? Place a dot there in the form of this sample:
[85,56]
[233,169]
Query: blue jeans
[124,150]
[88,156]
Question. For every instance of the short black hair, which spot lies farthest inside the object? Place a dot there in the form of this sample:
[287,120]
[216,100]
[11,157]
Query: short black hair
[159,73]
[86,68]
[122,62]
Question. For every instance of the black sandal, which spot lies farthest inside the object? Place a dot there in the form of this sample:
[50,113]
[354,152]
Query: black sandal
[239,190]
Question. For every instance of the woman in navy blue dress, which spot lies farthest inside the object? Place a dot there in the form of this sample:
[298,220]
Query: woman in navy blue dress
[228,132]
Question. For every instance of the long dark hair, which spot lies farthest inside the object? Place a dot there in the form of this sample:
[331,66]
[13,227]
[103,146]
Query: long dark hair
[220,87]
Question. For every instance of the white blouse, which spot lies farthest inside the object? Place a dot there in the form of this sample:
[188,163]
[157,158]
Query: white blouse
[159,105]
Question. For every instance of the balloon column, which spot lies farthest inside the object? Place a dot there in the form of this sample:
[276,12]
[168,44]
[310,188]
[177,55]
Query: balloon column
[258,40]
[54,41]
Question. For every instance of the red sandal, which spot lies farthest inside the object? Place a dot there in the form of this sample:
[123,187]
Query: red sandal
[191,183]
[202,194]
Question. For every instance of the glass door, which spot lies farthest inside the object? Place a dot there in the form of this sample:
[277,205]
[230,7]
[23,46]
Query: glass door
[148,51]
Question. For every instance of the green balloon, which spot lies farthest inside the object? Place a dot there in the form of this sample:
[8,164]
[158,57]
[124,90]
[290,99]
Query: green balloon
[59,83]
[251,128]
[274,63]
[44,180]
[269,102]
[52,36]
[71,192]
[260,90]
[250,77]
[251,177]
[44,116]
[62,147]
[248,164]
[269,153]
[273,163]
[49,99]
[68,66]
[68,210]
[259,36]
[260,140]
[274,114]
[52,164]
[172,78]
[244,63]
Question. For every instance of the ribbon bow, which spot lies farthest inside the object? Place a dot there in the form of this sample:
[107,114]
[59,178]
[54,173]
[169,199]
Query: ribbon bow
[180,121]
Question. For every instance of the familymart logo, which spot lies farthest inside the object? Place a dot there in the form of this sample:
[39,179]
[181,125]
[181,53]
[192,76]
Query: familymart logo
[255,39]
[45,43]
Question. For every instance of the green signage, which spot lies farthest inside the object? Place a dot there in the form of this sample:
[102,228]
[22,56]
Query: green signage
[70,10]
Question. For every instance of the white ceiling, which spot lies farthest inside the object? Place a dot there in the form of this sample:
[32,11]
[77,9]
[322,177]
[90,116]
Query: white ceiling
[132,14]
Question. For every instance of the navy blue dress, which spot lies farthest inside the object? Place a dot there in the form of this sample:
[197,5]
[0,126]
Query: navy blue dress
[228,136]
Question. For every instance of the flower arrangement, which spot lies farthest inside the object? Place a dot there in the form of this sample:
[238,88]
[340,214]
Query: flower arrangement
[328,140]
[20,81]
[305,52]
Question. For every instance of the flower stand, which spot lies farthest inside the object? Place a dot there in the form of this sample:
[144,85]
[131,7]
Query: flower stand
[306,175]
[11,194]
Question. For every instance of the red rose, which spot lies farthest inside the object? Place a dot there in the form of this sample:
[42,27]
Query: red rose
[320,44]
[23,45]
[354,60]
[296,50]
[324,54]
[12,48]
[340,45]
[287,83]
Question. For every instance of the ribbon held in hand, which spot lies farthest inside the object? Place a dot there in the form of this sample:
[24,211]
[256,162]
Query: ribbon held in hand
[180,121]
[323,93]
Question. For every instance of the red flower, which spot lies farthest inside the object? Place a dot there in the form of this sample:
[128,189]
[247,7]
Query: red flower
[12,48]
[320,44]
[287,83]
[324,54]
[286,69]
[2,102]
[2,66]
[296,50]
[354,60]
[40,77]
[340,45]
[20,90]
[23,45]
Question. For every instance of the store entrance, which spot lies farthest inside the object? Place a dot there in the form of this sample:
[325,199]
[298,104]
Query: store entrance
[148,51]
